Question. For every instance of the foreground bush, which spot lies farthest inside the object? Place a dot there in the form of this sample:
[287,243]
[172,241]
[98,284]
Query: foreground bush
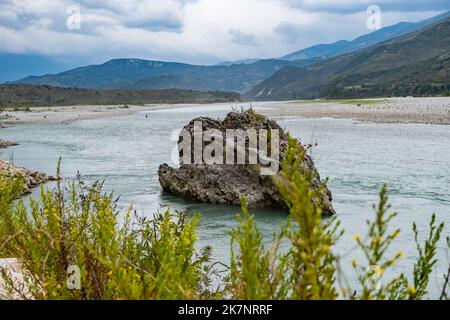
[79,232]
[78,235]
[309,268]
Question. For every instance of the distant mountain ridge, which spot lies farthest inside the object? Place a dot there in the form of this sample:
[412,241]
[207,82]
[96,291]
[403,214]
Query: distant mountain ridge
[243,77]
[345,46]
[106,75]
[365,41]
[140,74]
[415,64]
[17,66]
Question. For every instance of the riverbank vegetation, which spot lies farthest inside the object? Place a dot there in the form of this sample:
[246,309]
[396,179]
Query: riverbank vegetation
[74,243]
[23,96]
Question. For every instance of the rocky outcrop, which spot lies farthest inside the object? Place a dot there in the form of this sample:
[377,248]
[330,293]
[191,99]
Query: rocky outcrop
[7,144]
[227,183]
[31,178]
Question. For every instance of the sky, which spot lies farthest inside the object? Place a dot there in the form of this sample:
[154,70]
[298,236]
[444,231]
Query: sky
[191,31]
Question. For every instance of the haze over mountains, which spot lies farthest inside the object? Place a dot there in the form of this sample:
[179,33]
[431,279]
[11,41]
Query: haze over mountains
[18,66]
[404,55]
[344,46]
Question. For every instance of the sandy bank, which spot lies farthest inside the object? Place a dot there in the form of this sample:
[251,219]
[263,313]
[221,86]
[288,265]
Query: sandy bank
[390,110]
[67,114]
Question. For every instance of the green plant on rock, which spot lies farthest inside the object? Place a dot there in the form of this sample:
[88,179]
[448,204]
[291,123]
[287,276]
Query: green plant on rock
[255,114]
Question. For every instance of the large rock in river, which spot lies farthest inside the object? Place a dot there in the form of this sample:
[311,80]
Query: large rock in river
[226,183]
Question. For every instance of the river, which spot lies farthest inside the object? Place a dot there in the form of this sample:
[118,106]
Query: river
[125,152]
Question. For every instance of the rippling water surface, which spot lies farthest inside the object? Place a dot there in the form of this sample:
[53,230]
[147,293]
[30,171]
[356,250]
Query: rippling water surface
[413,159]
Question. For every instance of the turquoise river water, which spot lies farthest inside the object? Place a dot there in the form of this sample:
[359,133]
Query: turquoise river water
[125,152]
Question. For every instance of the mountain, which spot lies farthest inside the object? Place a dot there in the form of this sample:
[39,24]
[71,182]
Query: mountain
[109,74]
[144,74]
[239,76]
[415,64]
[230,63]
[365,41]
[24,95]
[17,66]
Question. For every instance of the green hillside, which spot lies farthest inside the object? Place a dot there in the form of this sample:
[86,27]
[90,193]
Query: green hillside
[144,74]
[415,64]
[20,95]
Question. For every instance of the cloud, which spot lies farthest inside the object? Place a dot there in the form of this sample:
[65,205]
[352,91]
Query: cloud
[353,6]
[242,38]
[195,31]
[152,15]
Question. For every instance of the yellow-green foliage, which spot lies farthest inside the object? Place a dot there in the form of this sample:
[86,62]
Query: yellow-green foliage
[9,190]
[377,242]
[308,269]
[140,258]
[375,246]
[123,256]
[255,114]
[445,294]
[255,273]
[314,265]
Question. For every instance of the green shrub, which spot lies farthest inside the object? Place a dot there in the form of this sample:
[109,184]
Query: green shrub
[309,269]
[313,269]
[378,241]
[305,271]
[255,273]
[253,113]
[120,255]
[446,287]
[140,258]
